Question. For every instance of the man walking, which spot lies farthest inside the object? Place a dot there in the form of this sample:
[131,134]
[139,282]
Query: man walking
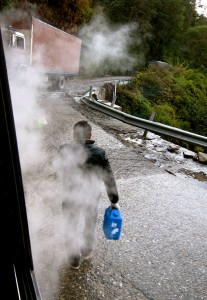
[83,165]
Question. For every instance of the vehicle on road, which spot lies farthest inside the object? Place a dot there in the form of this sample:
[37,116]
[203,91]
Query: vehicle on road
[40,47]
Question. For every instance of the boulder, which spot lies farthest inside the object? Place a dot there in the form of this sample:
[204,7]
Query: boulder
[160,64]
[202,158]
[173,148]
[189,154]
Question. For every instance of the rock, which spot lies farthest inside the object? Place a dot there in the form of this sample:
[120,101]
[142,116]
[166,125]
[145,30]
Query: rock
[202,158]
[95,96]
[160,64]
[109,88]
[173,148]
[189,154]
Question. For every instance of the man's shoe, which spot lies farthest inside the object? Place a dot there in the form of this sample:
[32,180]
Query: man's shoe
[75,262]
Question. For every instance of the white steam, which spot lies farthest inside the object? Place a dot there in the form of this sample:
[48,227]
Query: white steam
[42,197]
[80,193]
[29,117]
[35,133]
[44,192]
[103,43]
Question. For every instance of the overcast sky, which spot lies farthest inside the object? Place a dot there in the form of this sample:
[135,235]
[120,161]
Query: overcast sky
[204,8]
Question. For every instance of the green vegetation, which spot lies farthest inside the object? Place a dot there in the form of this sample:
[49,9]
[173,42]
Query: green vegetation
[65,14]
[5,4]
[177,95]
[193,47]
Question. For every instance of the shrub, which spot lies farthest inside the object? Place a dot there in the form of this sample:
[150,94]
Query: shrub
[132,102]
[178,95]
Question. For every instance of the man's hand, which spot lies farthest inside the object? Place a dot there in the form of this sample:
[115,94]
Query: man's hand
[115,205]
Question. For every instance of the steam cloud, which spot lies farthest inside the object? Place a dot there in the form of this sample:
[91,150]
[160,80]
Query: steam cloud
[43,193]
[104,44]
[28,117]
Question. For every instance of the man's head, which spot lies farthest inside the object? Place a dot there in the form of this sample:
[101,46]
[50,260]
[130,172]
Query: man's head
[82,131]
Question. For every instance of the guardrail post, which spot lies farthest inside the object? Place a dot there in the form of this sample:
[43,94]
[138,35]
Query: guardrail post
[151,119]
[114,96]
[90,92]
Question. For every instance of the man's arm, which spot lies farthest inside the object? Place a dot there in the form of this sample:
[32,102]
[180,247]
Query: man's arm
[110,183]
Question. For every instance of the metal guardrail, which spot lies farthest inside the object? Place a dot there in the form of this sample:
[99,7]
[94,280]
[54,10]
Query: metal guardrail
[152,126]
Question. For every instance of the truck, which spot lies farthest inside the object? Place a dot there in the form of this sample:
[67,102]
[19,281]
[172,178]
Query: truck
[40,47]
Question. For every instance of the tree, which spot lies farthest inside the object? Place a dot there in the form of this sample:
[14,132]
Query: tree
[66,15]
[73,13]
[5,4]
[136,12]
[194,46]
[159,24]
[172,18]
[201,20]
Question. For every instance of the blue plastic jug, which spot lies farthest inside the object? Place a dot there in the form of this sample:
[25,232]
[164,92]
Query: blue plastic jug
[112,223]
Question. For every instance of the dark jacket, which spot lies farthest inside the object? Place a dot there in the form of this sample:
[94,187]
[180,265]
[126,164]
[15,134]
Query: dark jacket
[95,160]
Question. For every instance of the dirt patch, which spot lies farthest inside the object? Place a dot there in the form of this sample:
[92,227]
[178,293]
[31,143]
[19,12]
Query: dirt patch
[200,176]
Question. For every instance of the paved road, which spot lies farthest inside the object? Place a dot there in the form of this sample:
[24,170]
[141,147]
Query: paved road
[162,253]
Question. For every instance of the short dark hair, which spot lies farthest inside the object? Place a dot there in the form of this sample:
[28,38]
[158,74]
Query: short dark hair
[82,130]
